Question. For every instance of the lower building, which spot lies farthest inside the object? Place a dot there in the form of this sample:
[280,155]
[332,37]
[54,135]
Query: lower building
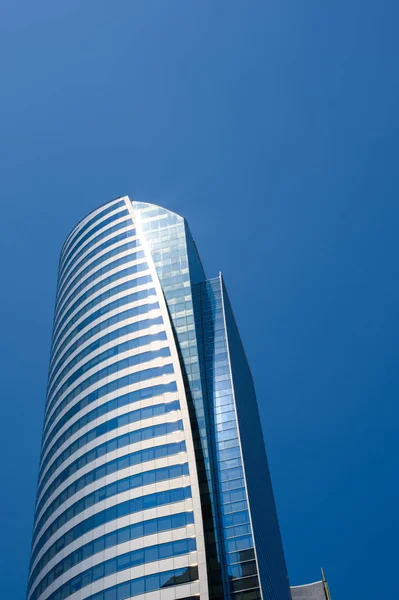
[318,590]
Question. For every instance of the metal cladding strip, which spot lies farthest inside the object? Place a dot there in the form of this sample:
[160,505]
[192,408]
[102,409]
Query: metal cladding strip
[121,250]
[132,518]
[71,305]
[109,504]
[238,426]
[142,356]
[68,249]
[122,301]
[199,528]
[98,250]
[169,418]
[73,235]
[62,281]
[131,340]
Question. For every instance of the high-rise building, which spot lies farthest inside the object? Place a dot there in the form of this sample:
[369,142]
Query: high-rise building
[153,476]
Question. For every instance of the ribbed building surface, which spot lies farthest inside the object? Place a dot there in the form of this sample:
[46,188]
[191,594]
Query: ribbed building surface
[153,477]
[311,591]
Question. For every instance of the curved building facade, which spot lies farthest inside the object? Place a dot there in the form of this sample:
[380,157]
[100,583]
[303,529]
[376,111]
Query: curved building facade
[310,591]
[153,478]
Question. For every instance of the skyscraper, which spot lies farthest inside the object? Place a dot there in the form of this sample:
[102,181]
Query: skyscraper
[153,473]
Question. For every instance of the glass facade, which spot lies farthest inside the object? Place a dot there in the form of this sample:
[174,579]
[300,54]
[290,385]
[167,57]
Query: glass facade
[153,477]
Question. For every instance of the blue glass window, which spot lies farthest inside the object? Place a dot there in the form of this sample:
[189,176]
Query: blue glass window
[123,462]
[67,254]
[148,583]
[130,361]
[121,485]
[246,583]
[236,518]
[119,402]
[64,271]
[73,278]
[77,231]
[118,289]
[240,543]
[129,233]
[117,349]
[67,296]
[121,316]
[109,540]
[100,430]
[105,516]
[63,323]
[117,384]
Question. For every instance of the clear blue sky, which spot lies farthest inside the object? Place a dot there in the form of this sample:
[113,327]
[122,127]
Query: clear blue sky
[273,126]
